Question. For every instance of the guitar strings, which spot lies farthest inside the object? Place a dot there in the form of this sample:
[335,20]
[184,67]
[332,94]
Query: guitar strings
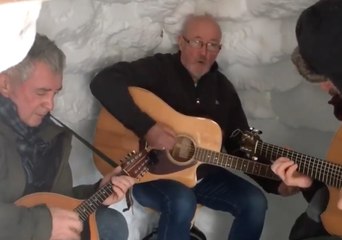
[216,158]
[329,173]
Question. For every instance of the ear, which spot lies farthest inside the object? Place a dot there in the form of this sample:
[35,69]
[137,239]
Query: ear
[5,85]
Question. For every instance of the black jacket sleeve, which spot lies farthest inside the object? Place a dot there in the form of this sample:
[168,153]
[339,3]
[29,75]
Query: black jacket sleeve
[110,87]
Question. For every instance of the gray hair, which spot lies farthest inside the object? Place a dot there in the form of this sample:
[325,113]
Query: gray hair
[42,50]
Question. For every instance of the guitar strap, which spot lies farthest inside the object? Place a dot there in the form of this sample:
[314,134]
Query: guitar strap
[103,156]
[86,143]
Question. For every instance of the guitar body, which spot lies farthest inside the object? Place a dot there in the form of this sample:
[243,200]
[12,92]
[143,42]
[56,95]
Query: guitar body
[115,140]
[60,201]
[332,216]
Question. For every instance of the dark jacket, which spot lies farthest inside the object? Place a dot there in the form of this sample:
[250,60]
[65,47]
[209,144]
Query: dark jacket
[213,97]
[22,223]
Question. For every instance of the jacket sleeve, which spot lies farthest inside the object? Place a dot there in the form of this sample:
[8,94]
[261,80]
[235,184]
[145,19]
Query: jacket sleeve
[110,87]
[308,193]
[20,223]
[23,223]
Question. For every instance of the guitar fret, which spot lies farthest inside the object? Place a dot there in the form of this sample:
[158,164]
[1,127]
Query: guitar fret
[234,163]
[199,152]
[337,173]
[83,212]
[255,169]
[229,161]
[238,164]
[332,179]
[337,181]
[331,170]
[318,174]
[250,167]
[82,215]
[334,172]
[85,209]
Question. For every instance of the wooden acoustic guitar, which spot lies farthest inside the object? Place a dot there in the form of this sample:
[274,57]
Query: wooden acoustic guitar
[135,165]
[198,141]
[327,171]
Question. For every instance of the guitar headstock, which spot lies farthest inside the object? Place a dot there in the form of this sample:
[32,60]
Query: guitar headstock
[136,164]
[247,140]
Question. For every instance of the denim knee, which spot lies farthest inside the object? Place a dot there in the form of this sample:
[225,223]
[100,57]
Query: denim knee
[255,200]
[111,224]
[182,206]
[168,197]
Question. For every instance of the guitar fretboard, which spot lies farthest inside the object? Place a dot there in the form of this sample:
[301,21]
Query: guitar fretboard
[324,171]
[89,206]
[233,162]
[135,167]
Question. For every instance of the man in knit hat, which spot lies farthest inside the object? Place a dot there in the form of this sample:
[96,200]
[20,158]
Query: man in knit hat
[318,59]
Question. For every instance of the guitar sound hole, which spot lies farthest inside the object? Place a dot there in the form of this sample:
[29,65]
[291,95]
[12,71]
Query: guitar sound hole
[184,150]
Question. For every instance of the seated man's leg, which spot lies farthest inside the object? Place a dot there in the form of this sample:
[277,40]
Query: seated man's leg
[228,192]
[111,224]
[175,202]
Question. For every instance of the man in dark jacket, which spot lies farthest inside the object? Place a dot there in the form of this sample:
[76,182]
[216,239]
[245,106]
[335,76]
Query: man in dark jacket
[318,59]
[191,83]
[34,156]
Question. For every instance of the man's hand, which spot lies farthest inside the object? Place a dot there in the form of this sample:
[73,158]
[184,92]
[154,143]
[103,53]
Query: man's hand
[287,171]
[66,224]
[120,185]
[160,137]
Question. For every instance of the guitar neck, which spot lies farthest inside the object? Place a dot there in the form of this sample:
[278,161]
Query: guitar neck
[324,171]
[90,205]
[232,162]
[135,165]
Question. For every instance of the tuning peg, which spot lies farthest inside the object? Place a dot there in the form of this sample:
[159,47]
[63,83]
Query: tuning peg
[130,154]
[254,130]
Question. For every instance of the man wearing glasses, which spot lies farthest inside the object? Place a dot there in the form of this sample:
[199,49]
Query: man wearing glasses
[190,82]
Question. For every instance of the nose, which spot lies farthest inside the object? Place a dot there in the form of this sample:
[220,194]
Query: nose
[49,103]
[204,50]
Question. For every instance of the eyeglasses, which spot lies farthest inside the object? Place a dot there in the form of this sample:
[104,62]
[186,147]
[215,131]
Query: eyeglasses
[197,43]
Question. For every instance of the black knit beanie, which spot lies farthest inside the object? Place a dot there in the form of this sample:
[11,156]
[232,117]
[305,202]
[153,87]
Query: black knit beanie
[319,36]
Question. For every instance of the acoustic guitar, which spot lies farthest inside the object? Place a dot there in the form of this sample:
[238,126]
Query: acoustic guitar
[198,142]
[135,165]
[327,171]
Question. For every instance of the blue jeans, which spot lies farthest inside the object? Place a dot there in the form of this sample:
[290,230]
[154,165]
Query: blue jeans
[111,224]
[223,191]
